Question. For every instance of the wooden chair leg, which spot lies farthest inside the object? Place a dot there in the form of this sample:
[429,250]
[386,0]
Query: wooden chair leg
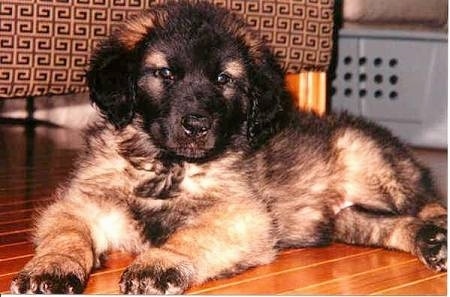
[309,90]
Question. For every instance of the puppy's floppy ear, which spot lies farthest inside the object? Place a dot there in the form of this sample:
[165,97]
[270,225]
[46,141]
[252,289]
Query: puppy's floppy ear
[114,66]
[270,102]
[111,83]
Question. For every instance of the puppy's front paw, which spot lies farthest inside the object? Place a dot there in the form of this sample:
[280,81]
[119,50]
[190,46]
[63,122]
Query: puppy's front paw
[52,274]
[46,283]
[155,279]
[431,244]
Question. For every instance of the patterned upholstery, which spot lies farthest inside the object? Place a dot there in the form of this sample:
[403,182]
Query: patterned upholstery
[45,44]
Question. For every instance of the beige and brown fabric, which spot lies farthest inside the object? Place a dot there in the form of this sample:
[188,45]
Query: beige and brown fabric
[45,45]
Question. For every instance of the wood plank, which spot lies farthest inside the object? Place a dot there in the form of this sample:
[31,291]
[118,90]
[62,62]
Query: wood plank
[22,249]
[17,176]
[105,283]
[15,221]
[8,213]
[15,237]
[33,195]
[25,204]
[37,188]
[14,207]
[35,173]
[5,282]
[50,183]
[372,280]
[12,266]
[433,285]
[9,227]
[271,279]
[19,215]
[300,276]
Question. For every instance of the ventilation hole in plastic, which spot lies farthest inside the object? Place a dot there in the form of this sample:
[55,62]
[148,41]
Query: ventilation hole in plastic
[362,93]
[378,78]
[393,79]
[347,76]
[362,61]
[393,95]
[333,91]
[348,92]
[362,77]
[377,62]
[378,94]
[393,62]
[348,60]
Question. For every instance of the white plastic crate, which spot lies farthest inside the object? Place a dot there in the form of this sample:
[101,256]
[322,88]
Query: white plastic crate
[396,78]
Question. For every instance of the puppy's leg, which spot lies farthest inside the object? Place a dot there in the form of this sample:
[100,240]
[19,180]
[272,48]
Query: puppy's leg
[63,259]
[70,236]
[434,213]
[425,239]
[380,174]
[303,225]
[224,239]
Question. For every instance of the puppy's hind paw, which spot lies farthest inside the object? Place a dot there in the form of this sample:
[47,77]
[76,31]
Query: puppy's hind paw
[431,243]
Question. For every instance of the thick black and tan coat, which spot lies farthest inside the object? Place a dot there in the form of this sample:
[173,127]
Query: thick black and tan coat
[200,166]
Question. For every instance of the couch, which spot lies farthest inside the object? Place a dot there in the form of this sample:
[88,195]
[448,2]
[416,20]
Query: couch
[46,44]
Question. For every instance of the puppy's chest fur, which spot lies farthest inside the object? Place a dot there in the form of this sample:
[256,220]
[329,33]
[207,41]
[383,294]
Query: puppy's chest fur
[189,189]
[197,187]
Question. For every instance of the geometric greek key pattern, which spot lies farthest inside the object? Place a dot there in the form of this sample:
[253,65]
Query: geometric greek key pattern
[45,45]
[299,31]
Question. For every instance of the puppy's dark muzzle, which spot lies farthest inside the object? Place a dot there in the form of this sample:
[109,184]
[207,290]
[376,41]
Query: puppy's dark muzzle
[195,125]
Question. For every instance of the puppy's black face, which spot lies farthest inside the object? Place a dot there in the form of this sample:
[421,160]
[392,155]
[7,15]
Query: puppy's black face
[194,76]
[191,88]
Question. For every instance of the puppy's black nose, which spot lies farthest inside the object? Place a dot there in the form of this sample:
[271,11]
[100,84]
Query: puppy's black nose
[195,125]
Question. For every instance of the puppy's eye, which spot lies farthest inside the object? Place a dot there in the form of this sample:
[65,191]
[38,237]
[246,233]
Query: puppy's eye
[223,78]
[164,73]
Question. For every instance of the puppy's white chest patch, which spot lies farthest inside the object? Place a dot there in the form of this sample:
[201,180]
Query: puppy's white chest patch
[111,227]
[197,180]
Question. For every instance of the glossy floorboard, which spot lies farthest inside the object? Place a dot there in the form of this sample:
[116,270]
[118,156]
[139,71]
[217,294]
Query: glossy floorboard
[33,163]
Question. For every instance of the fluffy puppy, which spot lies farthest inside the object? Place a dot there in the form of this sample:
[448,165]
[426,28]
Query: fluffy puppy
[201,166]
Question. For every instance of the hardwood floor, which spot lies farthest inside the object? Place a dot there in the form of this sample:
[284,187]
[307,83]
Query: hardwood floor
[33,163]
